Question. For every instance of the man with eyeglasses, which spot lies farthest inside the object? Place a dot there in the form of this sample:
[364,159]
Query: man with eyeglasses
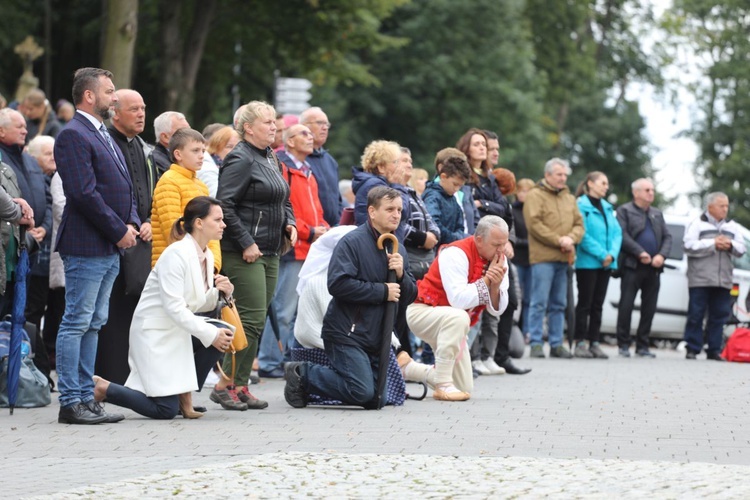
[324,166]
[646,242]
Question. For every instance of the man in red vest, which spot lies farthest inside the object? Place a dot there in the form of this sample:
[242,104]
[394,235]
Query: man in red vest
[468,277]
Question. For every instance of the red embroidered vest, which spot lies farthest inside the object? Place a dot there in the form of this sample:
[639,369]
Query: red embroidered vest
[430,289]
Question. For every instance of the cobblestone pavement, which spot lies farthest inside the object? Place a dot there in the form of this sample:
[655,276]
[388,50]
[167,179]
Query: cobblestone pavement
[665,428]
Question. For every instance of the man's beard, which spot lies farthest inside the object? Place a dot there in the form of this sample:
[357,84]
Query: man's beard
[105,113]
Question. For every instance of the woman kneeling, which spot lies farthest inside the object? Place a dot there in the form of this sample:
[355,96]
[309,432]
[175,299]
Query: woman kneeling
[172,347]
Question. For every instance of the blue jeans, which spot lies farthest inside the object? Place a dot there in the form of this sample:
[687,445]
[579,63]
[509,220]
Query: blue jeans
[284,303]
[718,302]
[352,379]
[524,278]
[88,284]
[549,294]
[161,408]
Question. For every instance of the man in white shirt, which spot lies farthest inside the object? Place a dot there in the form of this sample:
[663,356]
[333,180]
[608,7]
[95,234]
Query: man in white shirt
[469,276]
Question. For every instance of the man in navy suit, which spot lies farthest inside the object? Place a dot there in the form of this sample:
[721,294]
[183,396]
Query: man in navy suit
[99,221]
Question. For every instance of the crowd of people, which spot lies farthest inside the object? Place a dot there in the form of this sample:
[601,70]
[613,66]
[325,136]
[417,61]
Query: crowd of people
[134,243]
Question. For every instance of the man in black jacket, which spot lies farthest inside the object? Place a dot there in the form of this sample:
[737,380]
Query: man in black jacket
[352,326]
[646,242]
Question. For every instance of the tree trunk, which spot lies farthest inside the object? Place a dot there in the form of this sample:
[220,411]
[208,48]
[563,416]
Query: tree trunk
[121,30]
[183,54]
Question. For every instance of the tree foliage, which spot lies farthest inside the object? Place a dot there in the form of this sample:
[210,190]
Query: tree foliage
[547,75]
[716,36]
[588,52]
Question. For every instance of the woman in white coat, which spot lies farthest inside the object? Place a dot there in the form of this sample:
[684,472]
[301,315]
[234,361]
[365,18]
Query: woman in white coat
[172,347]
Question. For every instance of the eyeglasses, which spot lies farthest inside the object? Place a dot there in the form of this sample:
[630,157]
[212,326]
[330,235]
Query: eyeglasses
[306,133]
[321,123]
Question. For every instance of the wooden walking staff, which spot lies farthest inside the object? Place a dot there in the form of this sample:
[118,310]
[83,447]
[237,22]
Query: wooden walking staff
[390,315]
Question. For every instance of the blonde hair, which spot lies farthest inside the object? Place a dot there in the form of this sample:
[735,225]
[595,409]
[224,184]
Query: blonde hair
[219,139]
[379,153]
[253,110]
[417,174]
[524,183]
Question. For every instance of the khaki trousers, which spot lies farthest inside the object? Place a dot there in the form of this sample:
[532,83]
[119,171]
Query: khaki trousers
[445,328]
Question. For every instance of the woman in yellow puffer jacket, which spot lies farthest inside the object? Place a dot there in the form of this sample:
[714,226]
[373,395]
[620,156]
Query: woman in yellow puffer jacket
[176,188]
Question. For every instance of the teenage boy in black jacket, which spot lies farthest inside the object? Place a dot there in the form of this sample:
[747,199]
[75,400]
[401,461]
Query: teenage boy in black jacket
[352,326]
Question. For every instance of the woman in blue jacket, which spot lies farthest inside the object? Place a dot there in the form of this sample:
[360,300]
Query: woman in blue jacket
[597,257]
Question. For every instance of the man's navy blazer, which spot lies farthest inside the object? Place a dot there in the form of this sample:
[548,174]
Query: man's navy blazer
[99,199]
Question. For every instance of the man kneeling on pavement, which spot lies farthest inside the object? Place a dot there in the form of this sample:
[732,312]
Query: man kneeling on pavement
[469,276]
[352,327]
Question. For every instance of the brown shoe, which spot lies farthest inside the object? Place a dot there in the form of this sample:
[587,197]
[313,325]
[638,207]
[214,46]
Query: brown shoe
[446,394]
[251,401]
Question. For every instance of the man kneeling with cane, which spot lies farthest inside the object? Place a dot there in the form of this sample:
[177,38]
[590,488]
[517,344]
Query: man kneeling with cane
[352,327]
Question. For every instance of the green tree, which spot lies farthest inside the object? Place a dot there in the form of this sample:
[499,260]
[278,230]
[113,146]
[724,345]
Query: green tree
[467,64]
[588,52]
[716,36]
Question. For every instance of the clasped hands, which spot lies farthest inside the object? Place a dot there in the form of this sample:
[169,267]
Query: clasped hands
[395,263]
[495,271]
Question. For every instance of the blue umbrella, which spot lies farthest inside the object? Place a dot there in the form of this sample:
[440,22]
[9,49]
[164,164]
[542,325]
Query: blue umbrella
[18,320]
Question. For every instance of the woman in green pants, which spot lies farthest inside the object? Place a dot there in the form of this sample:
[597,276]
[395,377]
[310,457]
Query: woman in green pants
[260,223]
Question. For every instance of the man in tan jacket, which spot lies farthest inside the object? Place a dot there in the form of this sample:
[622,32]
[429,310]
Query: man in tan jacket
[555,226]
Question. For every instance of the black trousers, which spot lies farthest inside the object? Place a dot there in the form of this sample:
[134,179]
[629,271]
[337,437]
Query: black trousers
[592,288]
[164,407]
[114,336]
[645,279]
[504,327]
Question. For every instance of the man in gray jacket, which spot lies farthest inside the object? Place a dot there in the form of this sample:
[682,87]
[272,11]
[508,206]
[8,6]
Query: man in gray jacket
[646,242]
[710,243]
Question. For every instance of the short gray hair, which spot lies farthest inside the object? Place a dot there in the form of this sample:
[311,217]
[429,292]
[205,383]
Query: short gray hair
[487,223]
[35,145]
[637,183]
[6,117]
[305,116]
[163,122]
[345,185]
[252,112]
[711,198]
[556,161]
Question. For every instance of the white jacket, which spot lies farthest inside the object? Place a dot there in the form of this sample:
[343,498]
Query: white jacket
[161,351]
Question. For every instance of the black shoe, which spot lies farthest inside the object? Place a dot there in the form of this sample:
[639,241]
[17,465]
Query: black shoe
[275,373]
[691,355]
[714,356]
[512,369]
[624,352]
[96,407]
[645,353]
[294,391]
[79,414]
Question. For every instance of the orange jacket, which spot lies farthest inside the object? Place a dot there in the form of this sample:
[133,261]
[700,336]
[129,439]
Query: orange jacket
[308,211]
[174,190]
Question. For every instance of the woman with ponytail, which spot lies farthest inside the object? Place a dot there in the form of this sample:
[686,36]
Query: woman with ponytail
[172,347]
[596,258]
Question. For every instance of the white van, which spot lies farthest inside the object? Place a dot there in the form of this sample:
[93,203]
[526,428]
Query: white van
[671,308]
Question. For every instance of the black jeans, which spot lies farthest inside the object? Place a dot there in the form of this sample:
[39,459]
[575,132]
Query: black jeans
[647,280]
[164,407]
[592,288]
[504,327]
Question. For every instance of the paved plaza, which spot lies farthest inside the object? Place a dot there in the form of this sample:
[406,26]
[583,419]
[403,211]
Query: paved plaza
[621,428]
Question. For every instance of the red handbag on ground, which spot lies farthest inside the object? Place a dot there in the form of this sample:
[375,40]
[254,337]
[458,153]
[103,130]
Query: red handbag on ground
[738,346]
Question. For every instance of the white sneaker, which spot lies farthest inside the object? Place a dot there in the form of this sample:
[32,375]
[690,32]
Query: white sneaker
[478,365]
[493,367]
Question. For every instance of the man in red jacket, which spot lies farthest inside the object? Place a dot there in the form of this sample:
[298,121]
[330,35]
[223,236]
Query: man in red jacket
[469,276]
[298,145]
